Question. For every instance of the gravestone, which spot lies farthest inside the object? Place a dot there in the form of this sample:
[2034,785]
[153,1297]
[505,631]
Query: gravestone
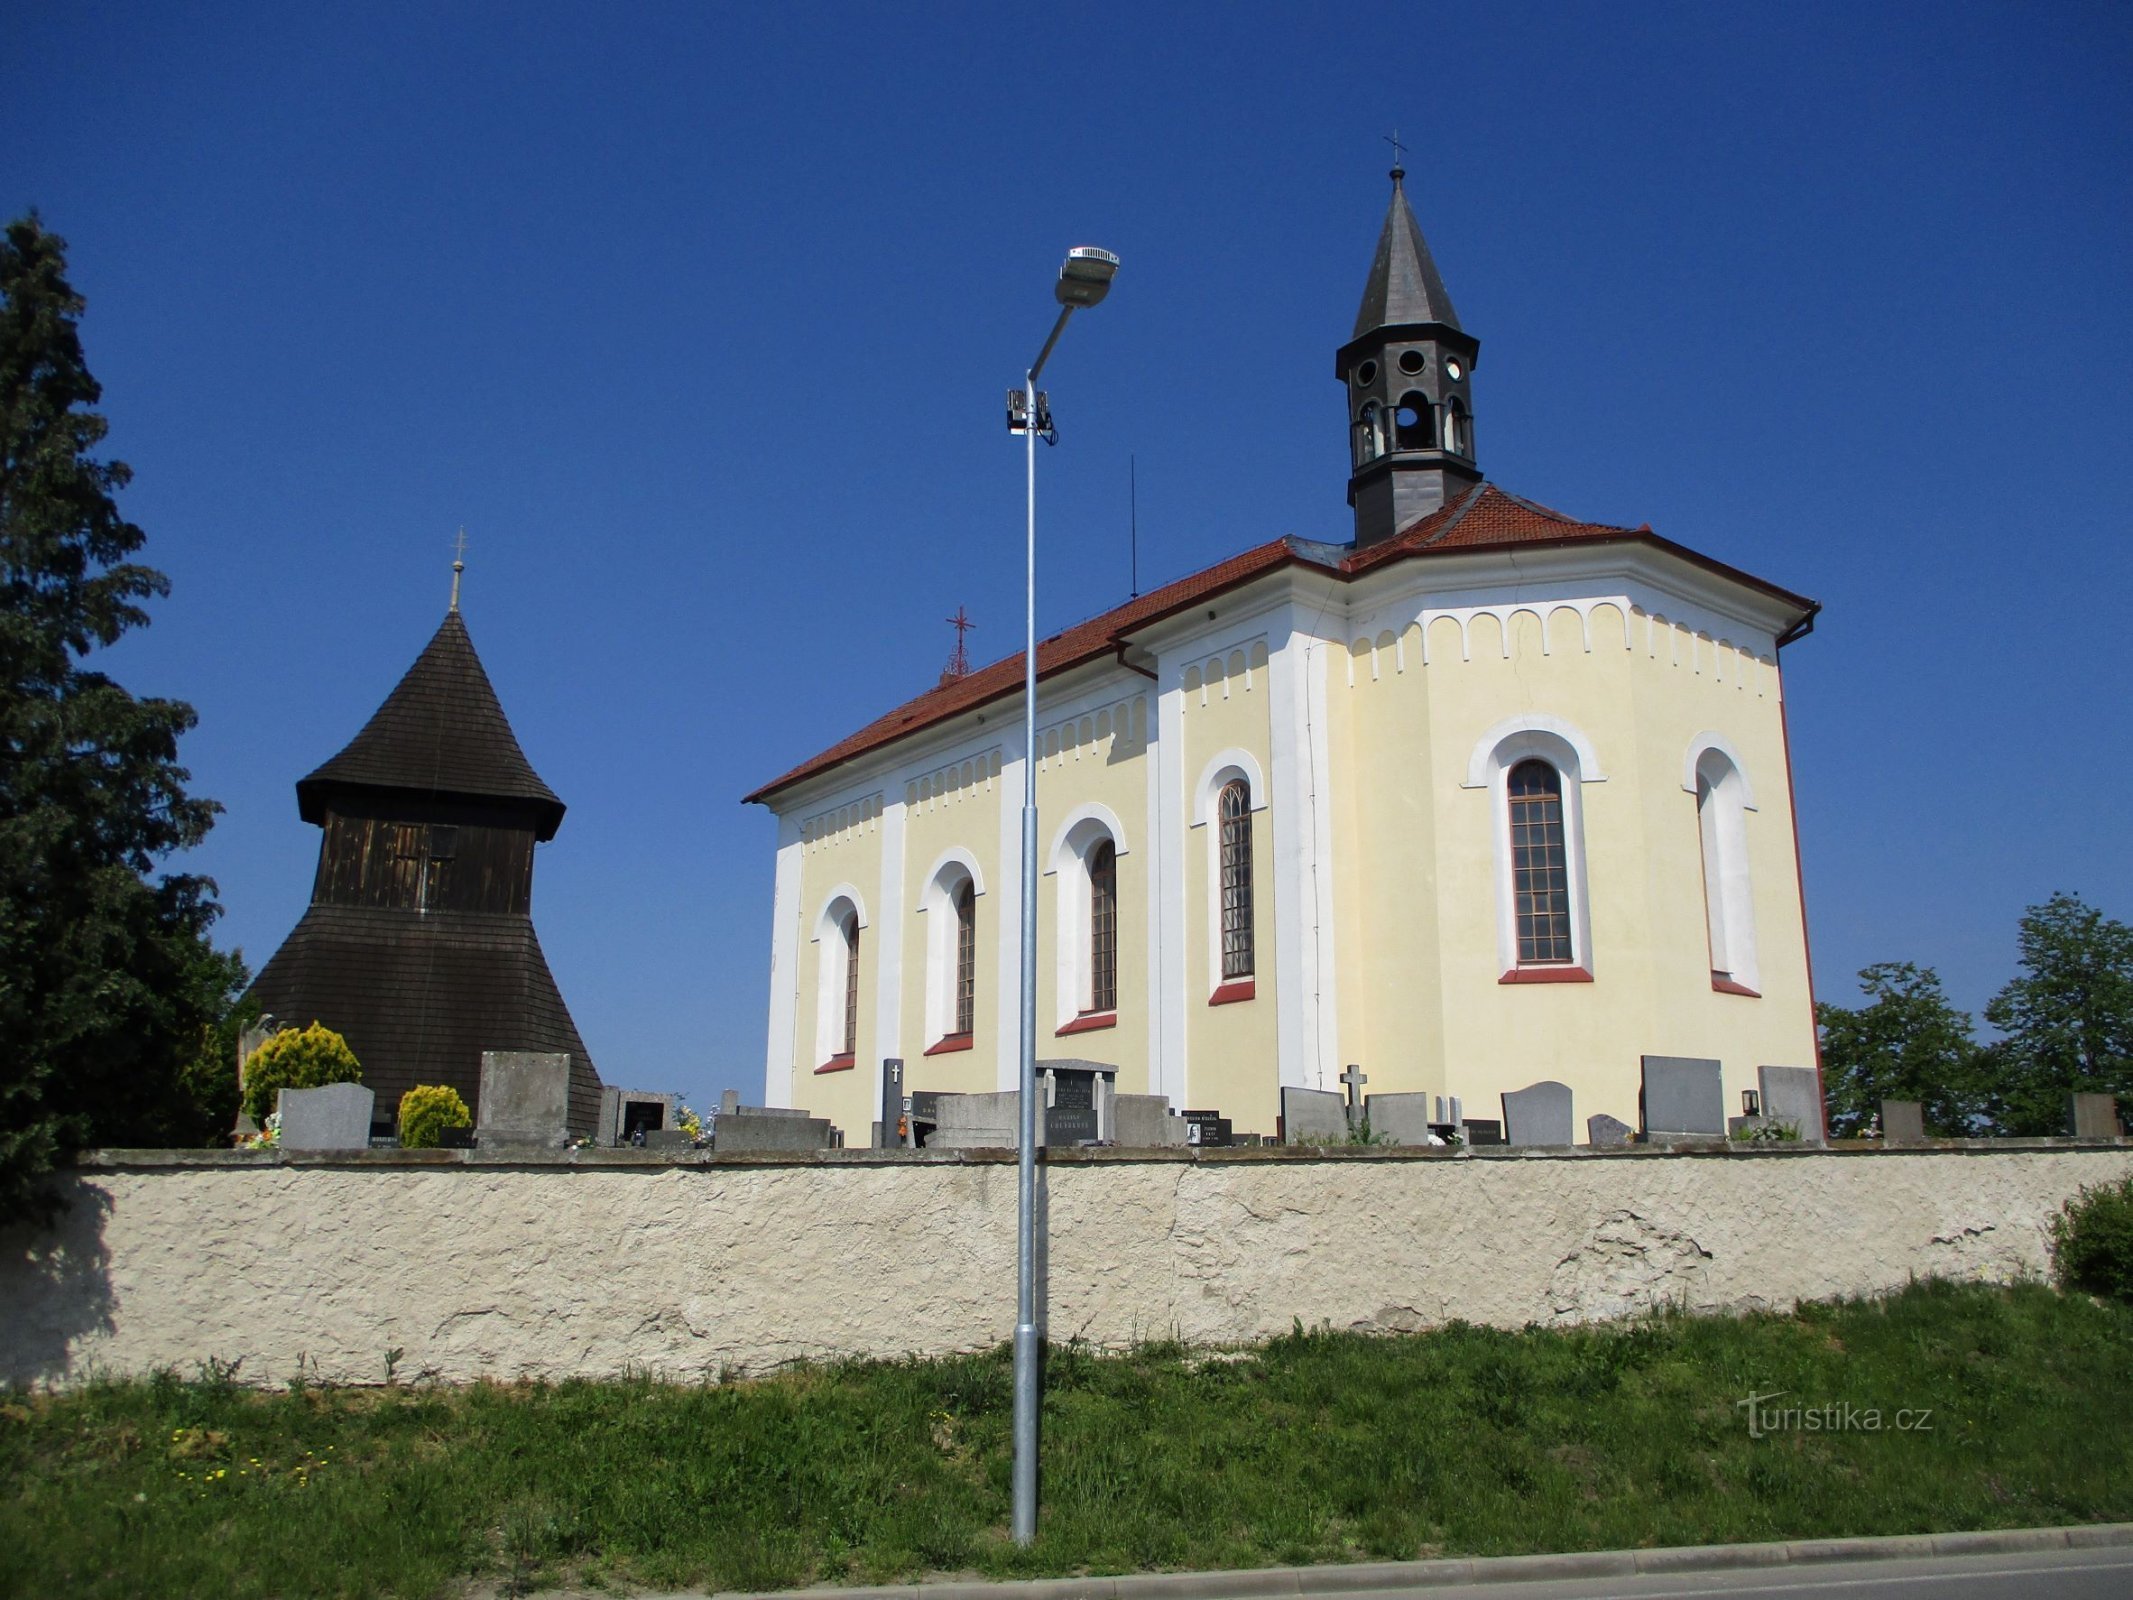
[1402,1118]
[1794,1095]
[1903,1122]
[969,1121]
[1540,1113]
[757,1128]
[1683,1094]
[886,1134]
[335,1117]
[1313,1116]
[2088,1116]
[1353,1079]
[1481,1131]
[1068,1126]
[1208,1130]
[1144,1122]
[667,1139]
[525,1100]
[1607,1133]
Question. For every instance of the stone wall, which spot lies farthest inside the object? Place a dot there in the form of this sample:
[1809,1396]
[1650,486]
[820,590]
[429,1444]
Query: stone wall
[693,1265]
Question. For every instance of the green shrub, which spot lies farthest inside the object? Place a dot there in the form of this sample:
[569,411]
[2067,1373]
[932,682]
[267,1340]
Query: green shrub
[296,1058]
[2092,1241]
[426,1111]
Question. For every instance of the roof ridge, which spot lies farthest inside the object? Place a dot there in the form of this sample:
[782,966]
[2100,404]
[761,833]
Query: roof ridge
[1563,516]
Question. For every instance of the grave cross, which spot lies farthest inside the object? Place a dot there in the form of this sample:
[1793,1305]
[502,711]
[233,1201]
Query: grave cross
[1355,1077]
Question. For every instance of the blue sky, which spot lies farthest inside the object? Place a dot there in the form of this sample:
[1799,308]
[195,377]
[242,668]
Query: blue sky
[699,317]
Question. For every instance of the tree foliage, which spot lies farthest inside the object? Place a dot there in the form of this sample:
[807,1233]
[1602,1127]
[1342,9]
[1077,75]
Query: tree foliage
[1909,1043]
[108,986]
[426,1111]
[2067,1020]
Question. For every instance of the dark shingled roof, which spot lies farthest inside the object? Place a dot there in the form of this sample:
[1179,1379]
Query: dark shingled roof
[421,996]
[439,734]
[1483,518]
[1404,286]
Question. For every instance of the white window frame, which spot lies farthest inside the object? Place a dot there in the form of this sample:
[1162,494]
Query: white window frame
[1714,775]
[1226,768]
[831,955]
[1073,976]
[1563,746]
[955,868]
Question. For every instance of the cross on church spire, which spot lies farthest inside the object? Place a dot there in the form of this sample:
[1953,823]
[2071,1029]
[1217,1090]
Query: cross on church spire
[459,565]
[1399,155]
[959,663]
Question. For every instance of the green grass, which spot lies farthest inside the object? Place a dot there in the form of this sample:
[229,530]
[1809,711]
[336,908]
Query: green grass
[1318,1447]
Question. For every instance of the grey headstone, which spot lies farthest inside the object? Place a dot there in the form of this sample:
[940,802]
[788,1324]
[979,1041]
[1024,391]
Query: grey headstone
[892,1103]
[1144,1122]
[1607,1133]
[1794,1095]
[2088,1116]
[1400,1118]
[1684,1094]
[973,1121]
[1903,1122]
[744,1131]
[668,1139]
[1313,1116]
[608,1130]
[525,1099]
[728,1100]
[336,1117]
[1540,1113]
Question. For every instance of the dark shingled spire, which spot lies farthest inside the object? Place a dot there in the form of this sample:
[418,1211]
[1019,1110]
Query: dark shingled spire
[440,734]
[1404,288]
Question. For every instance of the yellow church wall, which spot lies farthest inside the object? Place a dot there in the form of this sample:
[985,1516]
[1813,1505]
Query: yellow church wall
[1098,757]
[1231,1050]
[841,847]
[1422,1006]
[955,808]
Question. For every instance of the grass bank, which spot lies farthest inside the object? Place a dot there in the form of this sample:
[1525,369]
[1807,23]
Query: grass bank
[1319,1447]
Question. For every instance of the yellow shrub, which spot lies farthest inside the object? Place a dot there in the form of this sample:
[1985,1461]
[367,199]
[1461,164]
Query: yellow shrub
[426,1111]
[296,1058]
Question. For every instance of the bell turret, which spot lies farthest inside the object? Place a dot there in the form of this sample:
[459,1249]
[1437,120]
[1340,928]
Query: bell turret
[1408,369]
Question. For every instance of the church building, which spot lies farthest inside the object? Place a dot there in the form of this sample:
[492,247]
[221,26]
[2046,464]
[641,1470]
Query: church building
[418,944]
[1486,794]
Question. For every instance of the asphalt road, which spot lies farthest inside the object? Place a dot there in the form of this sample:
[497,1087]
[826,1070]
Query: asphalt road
[2105,1574]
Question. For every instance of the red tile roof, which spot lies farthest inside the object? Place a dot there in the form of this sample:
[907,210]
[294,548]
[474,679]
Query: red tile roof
[1483,518]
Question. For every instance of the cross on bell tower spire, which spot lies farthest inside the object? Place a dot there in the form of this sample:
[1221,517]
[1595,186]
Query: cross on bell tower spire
[459,565]
[1407,369]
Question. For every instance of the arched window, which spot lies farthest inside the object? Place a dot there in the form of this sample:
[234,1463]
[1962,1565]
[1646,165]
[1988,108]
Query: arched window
[1234,811]
[1417,420]
[1458,432]
[966,957]
[1369,440]
[1540,864]
[849,927]
[1103,928]
[1729,914]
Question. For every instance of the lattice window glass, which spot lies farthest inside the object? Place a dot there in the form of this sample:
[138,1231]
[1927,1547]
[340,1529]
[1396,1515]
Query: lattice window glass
[1235,812]
[851,984]
[1540,866]
[1103,928]
[966,958]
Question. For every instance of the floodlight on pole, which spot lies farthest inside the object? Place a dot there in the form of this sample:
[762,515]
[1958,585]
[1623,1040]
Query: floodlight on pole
[1083,281]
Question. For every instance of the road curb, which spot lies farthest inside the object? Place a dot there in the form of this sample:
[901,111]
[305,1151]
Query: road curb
[1260,1583]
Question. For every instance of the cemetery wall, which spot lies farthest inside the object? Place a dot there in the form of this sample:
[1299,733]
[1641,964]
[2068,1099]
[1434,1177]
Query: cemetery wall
[693,1265]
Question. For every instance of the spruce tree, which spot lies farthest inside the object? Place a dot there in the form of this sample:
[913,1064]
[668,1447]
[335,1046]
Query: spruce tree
[110,994]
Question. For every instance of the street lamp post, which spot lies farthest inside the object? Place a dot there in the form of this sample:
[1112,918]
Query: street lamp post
[1083,281]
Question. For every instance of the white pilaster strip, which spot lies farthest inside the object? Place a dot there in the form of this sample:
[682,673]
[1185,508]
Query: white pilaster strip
[1295,745]
[890,932]
[784,965]
[1004,890]
[1166,880]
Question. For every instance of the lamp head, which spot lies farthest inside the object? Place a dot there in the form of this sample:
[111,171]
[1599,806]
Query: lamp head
[1086,277]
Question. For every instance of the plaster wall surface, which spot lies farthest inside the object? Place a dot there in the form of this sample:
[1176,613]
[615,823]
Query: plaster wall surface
[695,1265]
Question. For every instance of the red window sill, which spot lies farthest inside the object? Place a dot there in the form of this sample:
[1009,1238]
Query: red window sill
[1725,985]
[836,1064]
[1233,991]
[1546,975]
[950,1044]
[1088,1022]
